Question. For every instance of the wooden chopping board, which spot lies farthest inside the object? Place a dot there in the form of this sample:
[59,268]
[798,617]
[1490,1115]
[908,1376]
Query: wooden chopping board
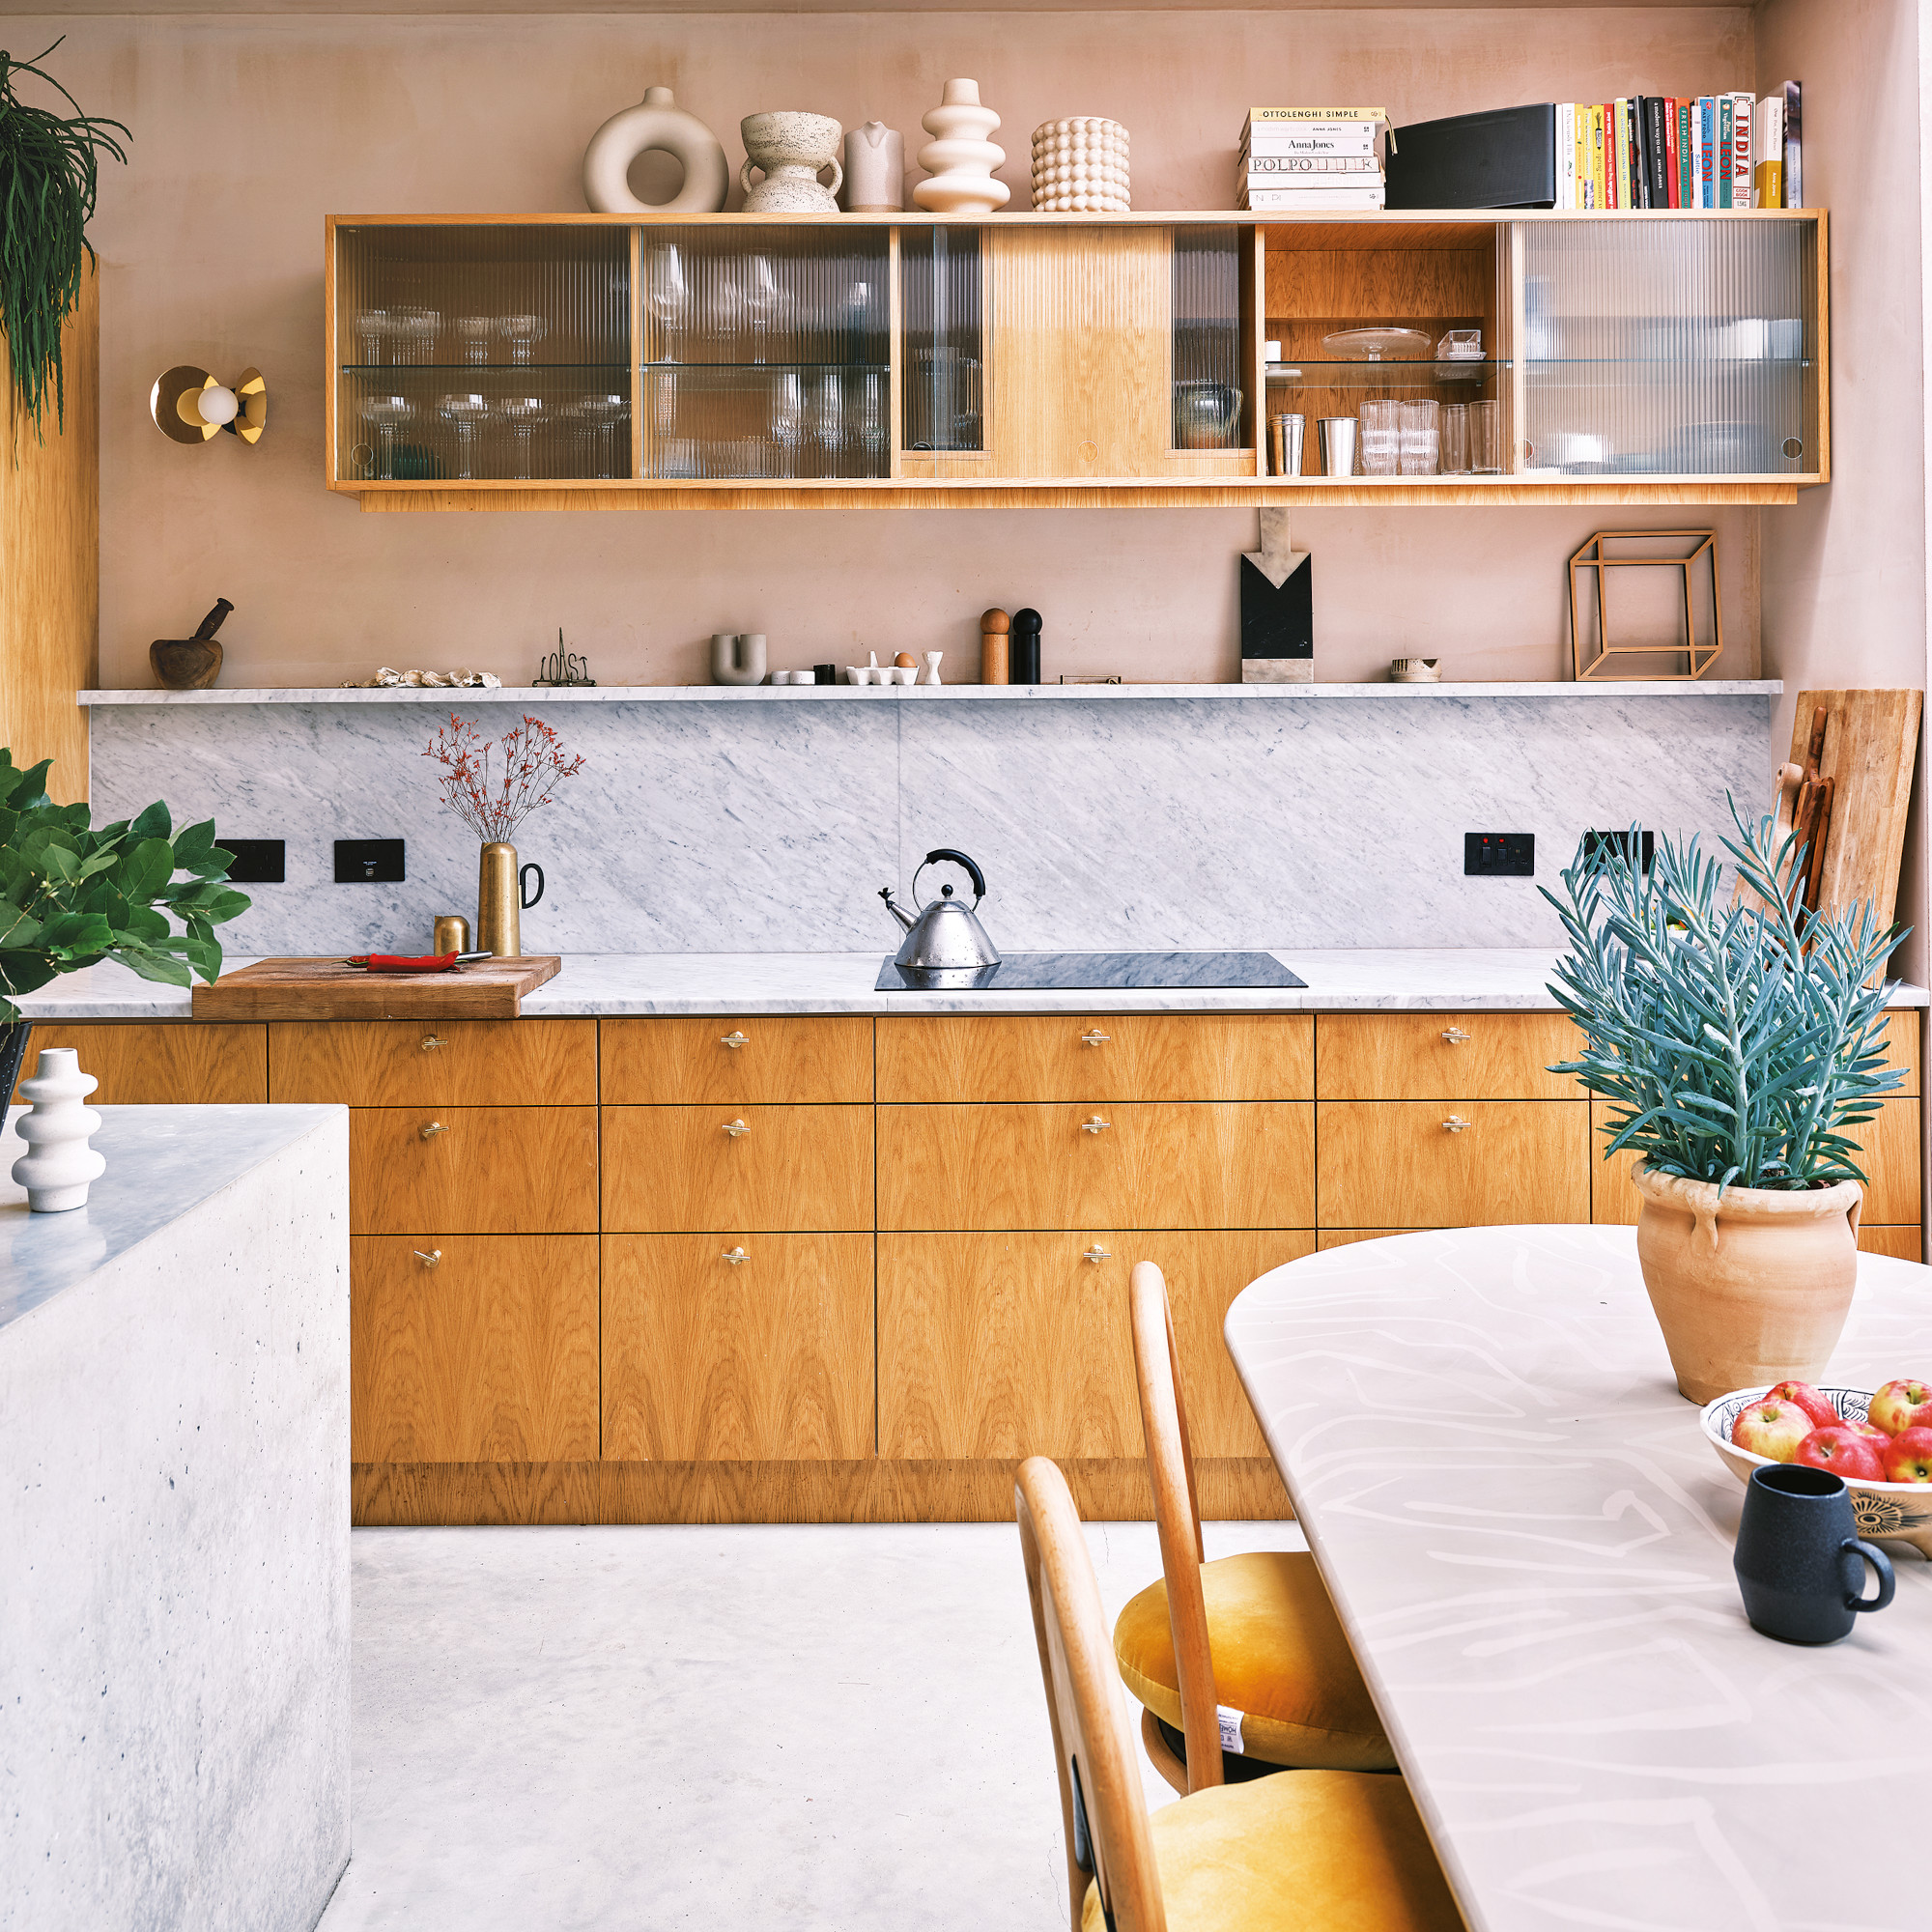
[326,989]
[1871,745]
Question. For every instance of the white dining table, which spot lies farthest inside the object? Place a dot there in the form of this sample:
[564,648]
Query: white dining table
[1528,1540]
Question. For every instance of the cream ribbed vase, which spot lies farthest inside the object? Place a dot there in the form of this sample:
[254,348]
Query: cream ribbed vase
[962,162]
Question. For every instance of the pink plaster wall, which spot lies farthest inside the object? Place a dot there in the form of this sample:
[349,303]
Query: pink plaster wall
[249,130]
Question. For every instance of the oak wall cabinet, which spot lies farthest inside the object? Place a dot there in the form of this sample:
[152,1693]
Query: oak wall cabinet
[625,362]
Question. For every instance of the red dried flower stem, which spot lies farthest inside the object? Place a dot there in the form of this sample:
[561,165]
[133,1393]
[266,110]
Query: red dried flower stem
[533,765]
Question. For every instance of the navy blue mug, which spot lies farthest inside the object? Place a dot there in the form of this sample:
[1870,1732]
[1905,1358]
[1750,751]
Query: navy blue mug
[1799,1559]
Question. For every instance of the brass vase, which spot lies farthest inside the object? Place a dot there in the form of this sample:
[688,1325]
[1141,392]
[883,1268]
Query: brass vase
[500,900]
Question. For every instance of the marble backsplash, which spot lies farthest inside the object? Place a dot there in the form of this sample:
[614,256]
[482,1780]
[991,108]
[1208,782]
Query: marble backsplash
[1150,823]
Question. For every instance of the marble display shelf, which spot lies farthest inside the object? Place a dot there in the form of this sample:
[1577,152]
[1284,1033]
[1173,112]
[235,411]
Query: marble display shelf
[919,694]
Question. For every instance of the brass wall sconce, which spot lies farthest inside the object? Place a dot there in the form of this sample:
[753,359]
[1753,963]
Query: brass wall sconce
[189,405]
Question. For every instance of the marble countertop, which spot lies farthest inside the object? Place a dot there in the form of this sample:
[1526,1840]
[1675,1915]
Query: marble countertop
[1529,1541]
[1341,980]
[162,1163]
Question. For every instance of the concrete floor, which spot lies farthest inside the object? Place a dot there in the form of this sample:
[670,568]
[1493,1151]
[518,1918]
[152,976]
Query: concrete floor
[648,1728]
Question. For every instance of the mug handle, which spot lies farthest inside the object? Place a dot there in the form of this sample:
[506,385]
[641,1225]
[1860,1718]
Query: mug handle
[1881,1563]
[526,904]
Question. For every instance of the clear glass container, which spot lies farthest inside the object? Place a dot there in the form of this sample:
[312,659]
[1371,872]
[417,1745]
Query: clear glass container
[940,281]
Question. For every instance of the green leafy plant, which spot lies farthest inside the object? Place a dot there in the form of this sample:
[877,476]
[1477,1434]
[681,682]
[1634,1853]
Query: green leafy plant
[72,893]
[1738,1044]
[50,174]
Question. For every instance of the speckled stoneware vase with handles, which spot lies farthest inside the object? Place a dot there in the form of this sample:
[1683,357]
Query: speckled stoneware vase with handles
[792,149]
[1753,1289]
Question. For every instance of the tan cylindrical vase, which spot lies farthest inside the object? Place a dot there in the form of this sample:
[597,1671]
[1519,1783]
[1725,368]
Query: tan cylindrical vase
[1750,1291]
[499,903]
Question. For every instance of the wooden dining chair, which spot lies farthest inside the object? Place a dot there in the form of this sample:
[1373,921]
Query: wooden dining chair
[1240,1666]
[1309,1851]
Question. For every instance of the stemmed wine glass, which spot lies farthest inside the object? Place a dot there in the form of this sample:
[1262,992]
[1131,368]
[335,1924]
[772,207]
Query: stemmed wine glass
[598,416]
[385,415]
[828,415]
[523,333]
[466,416]
[872,420]
[788,420]
[524,416]
[474,332]
[669,297]
[765,303]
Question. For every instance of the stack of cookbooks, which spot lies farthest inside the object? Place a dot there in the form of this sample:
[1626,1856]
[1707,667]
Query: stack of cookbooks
[1719,151]
[1311,161]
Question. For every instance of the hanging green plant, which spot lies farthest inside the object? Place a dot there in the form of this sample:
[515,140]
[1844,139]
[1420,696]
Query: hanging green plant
[48,176]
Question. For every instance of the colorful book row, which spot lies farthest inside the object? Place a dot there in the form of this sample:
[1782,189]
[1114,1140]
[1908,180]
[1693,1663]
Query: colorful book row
[1652,152]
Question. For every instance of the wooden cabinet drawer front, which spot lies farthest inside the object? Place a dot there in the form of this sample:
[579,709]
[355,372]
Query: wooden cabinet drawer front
[491,1170]
[1903,1244]
[1901,1047]
[1238,1164]
[490,1355]
[444,1064]
[1017,1344]
[737,1063]
[737,1348]
[1394,1164]
[676,1170]
[1613,1197]
[1444,1057]
[185,1064]
[1103,1057]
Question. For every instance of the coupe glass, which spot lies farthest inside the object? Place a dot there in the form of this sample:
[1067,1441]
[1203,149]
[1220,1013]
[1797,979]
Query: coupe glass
[598,418]
[523,333]
[385,415]
[474,332]
[466,416]
[523,417]
[416,331]
[374,326]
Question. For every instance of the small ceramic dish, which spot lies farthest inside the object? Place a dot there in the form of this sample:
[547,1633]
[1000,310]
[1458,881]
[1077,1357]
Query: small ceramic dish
[1900,1510]
[1415,670]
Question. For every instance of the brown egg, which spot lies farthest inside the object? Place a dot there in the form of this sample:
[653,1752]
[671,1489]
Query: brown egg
[906,660]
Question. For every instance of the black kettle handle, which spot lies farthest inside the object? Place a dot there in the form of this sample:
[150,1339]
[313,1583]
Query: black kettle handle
[960,859]
[527,903]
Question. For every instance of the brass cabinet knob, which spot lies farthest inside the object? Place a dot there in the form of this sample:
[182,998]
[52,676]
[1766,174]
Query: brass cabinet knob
[1096,1126]
[434,1127]
[734,1039]
[430,1042]
[430,1259]
[1456,1124]
[1456,1036]
[1097,1253]
[736,1127]
[734,1256]
[1095,1038]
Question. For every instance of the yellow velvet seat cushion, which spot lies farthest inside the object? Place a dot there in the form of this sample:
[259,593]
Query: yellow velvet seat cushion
[1310,1851]
[1281,1658]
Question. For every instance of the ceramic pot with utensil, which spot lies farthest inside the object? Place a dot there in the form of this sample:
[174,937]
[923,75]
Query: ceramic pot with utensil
[190,664]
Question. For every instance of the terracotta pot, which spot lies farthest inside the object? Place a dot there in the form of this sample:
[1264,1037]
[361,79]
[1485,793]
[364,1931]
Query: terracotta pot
[1751,1293]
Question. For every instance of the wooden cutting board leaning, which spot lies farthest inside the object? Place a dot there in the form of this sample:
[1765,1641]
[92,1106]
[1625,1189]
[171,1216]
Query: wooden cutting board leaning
[331,989]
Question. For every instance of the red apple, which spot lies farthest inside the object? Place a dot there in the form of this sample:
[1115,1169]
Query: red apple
[1772,1429]
[1876,1436]
[1909,1459]
[1906,1404]
[1818,1408]
[1844,1451]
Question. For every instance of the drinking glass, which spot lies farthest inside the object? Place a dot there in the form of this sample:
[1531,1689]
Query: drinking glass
[598,418]
[474,332]
[1456,439]
[416,331]
[1486,438]
[1421,437]
[374,326]
[828,414]
[872,420]
[1382,439]
[385,415]
[523,333]
[788,428]
[466,416]
[1338,437]
[765,303]
[523,416]
[669,297]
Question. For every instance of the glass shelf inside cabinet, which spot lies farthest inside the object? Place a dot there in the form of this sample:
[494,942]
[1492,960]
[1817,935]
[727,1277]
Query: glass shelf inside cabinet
[1418,373]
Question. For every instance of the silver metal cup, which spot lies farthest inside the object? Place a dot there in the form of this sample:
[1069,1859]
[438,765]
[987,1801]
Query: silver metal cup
[1287,432]
[1338,445]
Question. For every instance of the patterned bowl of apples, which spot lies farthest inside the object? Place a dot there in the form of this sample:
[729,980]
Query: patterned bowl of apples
[1880,1441]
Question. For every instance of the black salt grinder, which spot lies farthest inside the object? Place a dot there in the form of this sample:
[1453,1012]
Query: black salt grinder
[1023,659]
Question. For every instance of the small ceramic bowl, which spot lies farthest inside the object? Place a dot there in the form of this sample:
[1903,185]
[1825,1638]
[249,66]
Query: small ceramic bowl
[1900,1510]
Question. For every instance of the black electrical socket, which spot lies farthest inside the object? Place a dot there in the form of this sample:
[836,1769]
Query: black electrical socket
[257,862]
[373,862]
[1499,855]
[1605,842]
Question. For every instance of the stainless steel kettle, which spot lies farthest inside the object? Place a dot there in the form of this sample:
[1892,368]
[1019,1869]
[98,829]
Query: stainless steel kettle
[946,936]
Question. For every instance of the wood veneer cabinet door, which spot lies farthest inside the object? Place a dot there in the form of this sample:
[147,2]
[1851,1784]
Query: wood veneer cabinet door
[532,1063]
[1099,1057]
[483,1171]
[737,1348]
[683,1170]
[1444,1057]
[1901,1045]
[736,1062]
[1018,1344]
[1401,1164]
[488,1355]
[1613,1197]
[184,1065]
[1903,1244]
[1155,1164]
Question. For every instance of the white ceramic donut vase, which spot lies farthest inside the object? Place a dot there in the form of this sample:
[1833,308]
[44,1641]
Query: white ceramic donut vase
[961,161]
[658,122]
[58,1165]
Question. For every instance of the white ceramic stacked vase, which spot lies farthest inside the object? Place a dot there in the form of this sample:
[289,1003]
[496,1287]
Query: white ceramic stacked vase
[960,163]
[58,1164]
[1081,167]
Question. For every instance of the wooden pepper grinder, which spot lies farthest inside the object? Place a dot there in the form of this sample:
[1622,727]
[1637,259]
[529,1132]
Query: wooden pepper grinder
[993,628]
[1026,646]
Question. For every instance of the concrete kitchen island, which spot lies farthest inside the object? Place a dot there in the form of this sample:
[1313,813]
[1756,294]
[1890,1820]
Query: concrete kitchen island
[174,1627]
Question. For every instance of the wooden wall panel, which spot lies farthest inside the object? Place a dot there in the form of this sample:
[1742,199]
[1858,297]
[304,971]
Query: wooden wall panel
[180,1063]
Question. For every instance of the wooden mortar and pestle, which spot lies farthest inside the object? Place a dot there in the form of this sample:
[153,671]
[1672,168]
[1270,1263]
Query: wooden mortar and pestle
[190,664]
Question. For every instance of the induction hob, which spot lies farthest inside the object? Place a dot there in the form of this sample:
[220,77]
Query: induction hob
[1097,972]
